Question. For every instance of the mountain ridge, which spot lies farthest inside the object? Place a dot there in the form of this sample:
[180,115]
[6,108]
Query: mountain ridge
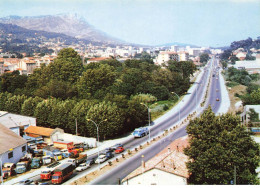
[68,24]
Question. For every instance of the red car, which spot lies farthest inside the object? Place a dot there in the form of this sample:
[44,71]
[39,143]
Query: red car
[119,150]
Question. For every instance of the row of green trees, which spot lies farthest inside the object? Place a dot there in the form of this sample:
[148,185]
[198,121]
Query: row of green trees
[65,90]
[121,115]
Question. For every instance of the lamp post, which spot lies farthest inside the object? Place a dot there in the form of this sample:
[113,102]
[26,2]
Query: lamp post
[97,138]
[178,106]
[148,119]
[2,181]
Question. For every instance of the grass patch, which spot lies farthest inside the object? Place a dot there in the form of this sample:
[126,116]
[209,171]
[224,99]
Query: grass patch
[232,84]
[161,107]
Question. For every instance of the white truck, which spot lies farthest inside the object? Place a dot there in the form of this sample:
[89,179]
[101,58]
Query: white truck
[78,160]
[46,159]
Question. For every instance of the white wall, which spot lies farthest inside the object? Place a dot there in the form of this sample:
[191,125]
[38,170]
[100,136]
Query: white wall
[157,177]
[17,155]
[75,139]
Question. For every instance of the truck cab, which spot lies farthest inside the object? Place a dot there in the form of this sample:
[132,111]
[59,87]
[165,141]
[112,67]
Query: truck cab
[46,159]
[8,170]
[36,162]
[22,167]
[57,156]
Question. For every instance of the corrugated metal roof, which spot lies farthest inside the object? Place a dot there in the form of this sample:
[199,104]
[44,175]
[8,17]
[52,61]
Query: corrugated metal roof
[9,139]
[10,120]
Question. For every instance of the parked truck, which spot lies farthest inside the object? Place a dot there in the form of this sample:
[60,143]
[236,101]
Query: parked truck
[76,161]
[57,156]
[62,173]
[36,162]
[47,173]
[22,167]
[140,132]
[8,170]
[46,159]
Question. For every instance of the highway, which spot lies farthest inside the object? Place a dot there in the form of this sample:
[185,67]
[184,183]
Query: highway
[121,171]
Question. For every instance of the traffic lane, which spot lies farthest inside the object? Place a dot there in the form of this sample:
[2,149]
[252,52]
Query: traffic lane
[121,171]
[189,107]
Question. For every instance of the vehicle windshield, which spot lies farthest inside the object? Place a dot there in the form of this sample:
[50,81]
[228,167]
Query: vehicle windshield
[82,165]
[136,132]
[55,177]
[45,172]
[46,158]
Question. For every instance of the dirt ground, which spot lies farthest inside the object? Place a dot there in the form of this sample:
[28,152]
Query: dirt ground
[240,89]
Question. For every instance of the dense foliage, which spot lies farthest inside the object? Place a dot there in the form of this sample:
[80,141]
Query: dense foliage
[65,90]
[218,145]
[240,76]
[245,44]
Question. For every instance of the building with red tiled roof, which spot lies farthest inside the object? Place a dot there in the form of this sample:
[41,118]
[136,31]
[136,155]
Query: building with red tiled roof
[47,134]
[167,168]
[97,59]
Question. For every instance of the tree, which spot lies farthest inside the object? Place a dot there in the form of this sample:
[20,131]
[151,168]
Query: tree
[43,111]
[252,98]
[14,103]
[204,57]
[12,81]
[29,105]
[218,144]
[93,81]
[98,113]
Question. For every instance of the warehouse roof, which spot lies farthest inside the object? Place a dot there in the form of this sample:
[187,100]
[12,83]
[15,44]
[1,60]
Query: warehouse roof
[9,139]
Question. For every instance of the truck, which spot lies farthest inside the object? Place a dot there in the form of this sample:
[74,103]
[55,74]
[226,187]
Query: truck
[63,144]
[47,173]
[62,173]
[140,132]
[22,167]
[57,156]
[8,170]
[75,162]
[46,159]
[36,162]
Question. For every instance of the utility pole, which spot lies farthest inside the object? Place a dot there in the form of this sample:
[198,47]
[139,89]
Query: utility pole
[76,127]
[235,178]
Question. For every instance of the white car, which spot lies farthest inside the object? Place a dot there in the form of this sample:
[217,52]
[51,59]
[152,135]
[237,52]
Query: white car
[101,158]
[82,166]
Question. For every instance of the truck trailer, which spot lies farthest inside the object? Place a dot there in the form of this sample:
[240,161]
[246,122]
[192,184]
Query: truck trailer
[62,173]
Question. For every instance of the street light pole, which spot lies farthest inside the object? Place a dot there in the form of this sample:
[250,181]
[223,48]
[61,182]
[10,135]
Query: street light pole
[97,139]
[2,181]
[178,106]
[148,119]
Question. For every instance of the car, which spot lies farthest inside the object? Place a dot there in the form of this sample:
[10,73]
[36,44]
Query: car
[109,150]
[44,183]
[217,99]
[102,158]
[25,182]
[82,166]
[119,150]
[91,161]
[116,146]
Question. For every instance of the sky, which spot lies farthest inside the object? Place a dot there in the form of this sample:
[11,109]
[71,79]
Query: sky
[155,22]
